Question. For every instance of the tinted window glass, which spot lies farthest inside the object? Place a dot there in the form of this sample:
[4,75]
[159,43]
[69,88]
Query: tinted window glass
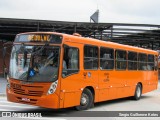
[90,57]
[150,65]
[106,58]
[142,62]
[121,63]
[156,62]
[132,61]
[70,61]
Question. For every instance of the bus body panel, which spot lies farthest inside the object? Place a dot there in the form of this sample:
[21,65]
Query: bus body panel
[33,94]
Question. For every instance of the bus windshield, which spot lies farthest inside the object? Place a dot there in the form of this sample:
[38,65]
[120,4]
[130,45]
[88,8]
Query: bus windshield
[34,63]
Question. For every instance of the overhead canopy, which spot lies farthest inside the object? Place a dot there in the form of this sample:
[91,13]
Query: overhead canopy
[143,35]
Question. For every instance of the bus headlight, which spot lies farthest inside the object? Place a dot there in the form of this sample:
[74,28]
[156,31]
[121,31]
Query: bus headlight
[53,87]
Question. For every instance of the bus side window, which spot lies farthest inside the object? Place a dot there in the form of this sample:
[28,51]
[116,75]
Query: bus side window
[106,58]
[142,61]
[90,57]
[150,64]
[70,61]
[132,61]
[121,62]
[156,62]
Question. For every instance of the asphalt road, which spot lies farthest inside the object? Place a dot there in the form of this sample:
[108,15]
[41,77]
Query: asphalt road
[149,102]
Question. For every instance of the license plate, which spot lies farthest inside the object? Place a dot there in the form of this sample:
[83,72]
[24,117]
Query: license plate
[26,99]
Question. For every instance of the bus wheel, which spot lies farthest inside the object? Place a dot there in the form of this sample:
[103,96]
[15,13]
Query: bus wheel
[86,100]
[138,92]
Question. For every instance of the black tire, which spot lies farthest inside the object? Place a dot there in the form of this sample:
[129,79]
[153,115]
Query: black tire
[138,92]
[86,100]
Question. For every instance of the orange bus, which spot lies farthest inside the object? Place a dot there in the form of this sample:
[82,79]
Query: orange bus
[55,70]
[158,59]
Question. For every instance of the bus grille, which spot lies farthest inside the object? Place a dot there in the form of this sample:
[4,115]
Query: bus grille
[28,92]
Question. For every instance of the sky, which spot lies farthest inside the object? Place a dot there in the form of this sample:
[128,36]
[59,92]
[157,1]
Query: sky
[110,11]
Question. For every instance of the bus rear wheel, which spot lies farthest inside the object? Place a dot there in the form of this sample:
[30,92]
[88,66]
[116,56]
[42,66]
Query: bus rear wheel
[86,100]
[138,92]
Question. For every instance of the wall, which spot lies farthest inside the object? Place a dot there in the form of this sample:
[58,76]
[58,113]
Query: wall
[7,57]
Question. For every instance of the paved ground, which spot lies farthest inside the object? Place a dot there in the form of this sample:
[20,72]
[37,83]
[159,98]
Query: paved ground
[149,102]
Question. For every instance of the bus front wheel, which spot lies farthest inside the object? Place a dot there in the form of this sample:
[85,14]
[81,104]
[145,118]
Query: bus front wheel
[86,100]
[138,92]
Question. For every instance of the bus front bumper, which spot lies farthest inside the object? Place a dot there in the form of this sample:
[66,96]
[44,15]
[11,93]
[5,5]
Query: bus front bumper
[46,101]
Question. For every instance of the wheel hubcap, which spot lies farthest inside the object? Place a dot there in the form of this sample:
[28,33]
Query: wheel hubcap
[138,92]
[84,99]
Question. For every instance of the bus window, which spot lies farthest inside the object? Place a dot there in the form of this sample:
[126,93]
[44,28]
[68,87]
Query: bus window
[106,58]
[70,61]
[121,60]
[132,61]
[142,62]
[35,63]
[150,65]
[90,57]
[156,62]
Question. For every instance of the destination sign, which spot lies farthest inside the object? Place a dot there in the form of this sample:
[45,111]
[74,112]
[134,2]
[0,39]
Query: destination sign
[57,39]
[43,38]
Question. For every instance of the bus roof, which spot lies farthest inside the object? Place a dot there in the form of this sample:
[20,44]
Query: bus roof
[92,41]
